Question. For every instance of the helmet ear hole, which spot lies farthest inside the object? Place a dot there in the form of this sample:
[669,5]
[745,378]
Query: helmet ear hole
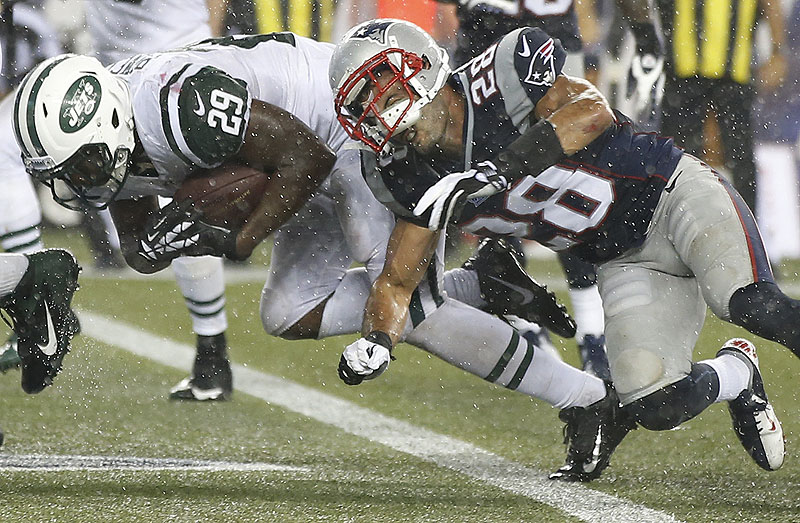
[115,119]
[44,109]
[426,64]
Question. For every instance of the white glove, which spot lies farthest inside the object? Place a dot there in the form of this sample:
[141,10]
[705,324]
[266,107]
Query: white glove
[645,85]
[363,360]
[447,197]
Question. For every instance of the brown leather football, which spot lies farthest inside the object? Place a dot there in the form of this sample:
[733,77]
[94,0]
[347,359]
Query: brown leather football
[227,195]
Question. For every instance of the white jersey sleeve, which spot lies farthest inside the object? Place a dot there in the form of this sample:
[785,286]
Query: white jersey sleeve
[189,116]
[121,28]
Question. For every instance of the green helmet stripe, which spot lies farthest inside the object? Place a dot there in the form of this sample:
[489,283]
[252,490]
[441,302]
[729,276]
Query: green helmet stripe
[165,123]
[30,111]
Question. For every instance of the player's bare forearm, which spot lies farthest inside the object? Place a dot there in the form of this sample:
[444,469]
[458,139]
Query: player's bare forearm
[129,218]
[279,143]
[408,255]
[577,111]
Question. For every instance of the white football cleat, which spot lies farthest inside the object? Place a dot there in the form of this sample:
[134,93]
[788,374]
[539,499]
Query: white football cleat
[754,419]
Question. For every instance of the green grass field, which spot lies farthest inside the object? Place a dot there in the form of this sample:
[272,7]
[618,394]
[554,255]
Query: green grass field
[426,442]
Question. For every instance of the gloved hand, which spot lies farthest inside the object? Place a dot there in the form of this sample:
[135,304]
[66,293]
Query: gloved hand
[645,84]
[446,198]
[646,76]
[177,230]
[365,359]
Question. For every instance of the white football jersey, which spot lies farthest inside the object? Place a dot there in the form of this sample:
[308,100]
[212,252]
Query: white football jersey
[120,28]
[191,106]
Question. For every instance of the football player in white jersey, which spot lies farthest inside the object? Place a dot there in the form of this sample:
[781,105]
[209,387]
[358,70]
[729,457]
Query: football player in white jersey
[153,120]
[21,216]
[120,29]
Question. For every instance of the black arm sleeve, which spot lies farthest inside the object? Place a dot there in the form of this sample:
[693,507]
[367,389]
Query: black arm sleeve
[537,149]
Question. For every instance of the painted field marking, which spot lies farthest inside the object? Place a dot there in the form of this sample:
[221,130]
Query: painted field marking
[51,463]
[574,499]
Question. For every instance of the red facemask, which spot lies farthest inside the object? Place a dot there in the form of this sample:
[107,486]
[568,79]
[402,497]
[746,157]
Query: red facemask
[361,119]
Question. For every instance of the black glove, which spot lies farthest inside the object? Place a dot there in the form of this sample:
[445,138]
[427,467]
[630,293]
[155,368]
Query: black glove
[177,230]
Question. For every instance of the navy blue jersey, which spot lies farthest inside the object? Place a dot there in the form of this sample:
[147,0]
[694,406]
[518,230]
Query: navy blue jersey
[598,202]
[483,22]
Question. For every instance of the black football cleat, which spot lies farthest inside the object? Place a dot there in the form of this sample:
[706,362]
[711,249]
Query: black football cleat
[509,290]
[754,419]
[592,434]
[211,379]
[42,317]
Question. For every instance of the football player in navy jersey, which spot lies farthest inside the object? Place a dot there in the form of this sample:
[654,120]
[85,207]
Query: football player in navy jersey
[480,24]
[510,146]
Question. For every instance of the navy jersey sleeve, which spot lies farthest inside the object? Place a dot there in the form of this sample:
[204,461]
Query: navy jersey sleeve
[398,182]
[538,59]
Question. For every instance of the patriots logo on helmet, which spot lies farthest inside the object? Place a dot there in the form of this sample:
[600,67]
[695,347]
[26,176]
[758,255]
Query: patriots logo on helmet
[542,69]
[375,31]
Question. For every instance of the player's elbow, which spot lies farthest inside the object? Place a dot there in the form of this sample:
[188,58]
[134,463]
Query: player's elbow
[599,115]
[324,159]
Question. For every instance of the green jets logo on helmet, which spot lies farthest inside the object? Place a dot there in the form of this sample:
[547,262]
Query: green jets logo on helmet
[80,103]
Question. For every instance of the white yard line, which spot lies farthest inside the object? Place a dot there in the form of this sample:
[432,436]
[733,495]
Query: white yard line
[573,499]
[60,463]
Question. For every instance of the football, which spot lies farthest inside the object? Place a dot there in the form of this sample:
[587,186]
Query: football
[227,195]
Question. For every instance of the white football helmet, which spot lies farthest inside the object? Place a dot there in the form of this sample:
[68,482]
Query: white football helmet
[73,121]
[380,46]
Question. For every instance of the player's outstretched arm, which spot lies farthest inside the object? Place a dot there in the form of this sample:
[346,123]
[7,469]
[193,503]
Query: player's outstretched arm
[408,254]
[570,115]
[277,142]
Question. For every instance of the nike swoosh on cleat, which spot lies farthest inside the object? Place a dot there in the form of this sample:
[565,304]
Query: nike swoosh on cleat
[206,394]
[526,50]
[590,466]
[51,346]
[527,296]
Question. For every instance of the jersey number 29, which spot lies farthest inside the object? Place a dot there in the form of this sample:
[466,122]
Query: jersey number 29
[226,110]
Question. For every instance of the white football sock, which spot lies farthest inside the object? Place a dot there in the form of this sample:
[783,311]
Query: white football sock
[12,268]
[202,283]
[733,374]
[488,347]
[587,309]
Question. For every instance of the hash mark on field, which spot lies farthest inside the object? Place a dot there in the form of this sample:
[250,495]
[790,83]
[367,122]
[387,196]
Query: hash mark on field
[576,500]
[39,462]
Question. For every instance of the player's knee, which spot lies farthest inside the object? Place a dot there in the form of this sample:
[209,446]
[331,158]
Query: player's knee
[276,323]
[635,370]
[657,412]
[678,402]
[757,305]
[272,319]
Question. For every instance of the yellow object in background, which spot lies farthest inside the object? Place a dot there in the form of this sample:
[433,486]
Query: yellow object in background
[311,18]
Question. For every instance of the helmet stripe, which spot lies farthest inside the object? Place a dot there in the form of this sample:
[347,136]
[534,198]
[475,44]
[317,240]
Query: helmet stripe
[30,110]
